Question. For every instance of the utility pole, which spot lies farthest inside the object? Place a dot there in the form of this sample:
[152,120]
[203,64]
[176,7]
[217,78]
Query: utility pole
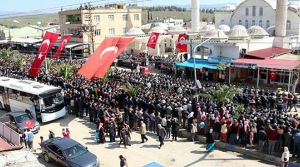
[91,27]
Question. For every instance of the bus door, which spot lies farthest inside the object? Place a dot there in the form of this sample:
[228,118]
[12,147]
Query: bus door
[5,99]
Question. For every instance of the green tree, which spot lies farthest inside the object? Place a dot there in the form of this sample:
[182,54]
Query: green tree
[20,62]
[132,89]
[66,70]
[7,54]
[50,65]
[221,93]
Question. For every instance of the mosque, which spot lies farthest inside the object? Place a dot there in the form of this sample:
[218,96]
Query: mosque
[256,39]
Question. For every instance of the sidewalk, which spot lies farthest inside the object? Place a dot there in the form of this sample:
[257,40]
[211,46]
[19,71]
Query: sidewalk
[249,152]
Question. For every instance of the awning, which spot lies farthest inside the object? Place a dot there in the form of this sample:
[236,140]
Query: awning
[199,63]
[268,52]
[268,63]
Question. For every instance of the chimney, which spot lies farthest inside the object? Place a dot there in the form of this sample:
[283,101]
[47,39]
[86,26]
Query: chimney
[195,15]
[281,18]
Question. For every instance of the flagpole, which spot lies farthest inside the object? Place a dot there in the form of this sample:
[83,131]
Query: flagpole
[46,65]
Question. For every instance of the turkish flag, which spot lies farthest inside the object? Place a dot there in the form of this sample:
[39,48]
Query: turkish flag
[64,40]
[48,42]
[99,57]
[182,47]
[273,75]
[121,45]
[153,40]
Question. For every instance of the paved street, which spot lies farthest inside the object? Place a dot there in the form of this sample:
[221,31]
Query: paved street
[181,153]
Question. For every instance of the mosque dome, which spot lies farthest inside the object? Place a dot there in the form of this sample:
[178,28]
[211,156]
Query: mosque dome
[215,33]
[135,32]
[207,28]
[224,28]
[158,29]
[176,29]
[238,31]
[257,31]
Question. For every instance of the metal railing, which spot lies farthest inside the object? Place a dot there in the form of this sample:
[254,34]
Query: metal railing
[9,134]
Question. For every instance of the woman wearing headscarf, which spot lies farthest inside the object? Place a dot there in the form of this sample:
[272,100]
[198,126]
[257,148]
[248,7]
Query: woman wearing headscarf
[210,142]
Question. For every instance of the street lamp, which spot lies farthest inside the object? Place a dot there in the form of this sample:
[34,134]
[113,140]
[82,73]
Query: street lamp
[194,56]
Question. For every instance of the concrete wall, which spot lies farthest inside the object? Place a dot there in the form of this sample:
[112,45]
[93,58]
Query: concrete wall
[223,15]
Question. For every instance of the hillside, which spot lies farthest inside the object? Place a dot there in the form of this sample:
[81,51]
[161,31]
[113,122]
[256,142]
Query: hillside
[45,18]
[28,20]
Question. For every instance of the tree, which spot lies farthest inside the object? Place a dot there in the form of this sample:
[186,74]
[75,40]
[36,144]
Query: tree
[50,65]
[220,93]
[106,76]
[132,89]
[7,54]
[66,70]
[20,62]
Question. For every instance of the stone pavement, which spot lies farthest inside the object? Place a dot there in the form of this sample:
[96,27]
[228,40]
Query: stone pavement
[172,154]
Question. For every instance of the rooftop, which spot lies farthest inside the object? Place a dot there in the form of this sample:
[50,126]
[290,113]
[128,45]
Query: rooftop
[268,52]
[271,63]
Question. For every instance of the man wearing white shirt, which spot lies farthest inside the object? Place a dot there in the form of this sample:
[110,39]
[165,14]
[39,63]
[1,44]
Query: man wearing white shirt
[164,122]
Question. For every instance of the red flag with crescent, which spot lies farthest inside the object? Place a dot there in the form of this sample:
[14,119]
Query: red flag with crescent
[99,57]
[121,45]
[182,47]
[48,41]
[153,40]
[64,41]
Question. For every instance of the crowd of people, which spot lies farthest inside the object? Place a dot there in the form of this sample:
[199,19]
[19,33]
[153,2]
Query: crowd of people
[163,104]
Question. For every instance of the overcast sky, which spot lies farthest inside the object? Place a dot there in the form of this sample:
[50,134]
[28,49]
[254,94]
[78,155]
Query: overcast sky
[29,5]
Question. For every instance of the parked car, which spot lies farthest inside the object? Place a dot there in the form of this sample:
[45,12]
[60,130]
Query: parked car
[20,121]
[68,153]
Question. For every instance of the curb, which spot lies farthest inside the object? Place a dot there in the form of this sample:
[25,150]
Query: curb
[249,152]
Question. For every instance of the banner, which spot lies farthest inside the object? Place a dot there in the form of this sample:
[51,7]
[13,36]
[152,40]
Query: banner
[99,57]
[121,45]
[182,47]
[153,40]
[64,40]
[48,41]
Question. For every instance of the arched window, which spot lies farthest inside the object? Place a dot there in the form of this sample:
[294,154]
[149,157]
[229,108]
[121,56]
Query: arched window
[261,11]
[260,23]
[222,21]
[247,12]
[253,23]
[253,10]
[247,24]
[268,24]
[240,22]
[288,25]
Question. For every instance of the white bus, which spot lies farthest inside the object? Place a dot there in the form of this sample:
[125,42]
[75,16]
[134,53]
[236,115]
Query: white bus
[45,103]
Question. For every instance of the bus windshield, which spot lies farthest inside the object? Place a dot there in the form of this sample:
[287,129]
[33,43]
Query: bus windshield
[52,102]
[53,99]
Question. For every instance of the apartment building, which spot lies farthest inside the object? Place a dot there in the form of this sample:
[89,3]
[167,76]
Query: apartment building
[92,24]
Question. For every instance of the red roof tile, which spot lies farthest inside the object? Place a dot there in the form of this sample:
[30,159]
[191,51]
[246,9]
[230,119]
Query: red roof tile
[268,52]
[271,63]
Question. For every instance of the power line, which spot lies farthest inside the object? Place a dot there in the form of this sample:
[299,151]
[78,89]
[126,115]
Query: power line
[71,6]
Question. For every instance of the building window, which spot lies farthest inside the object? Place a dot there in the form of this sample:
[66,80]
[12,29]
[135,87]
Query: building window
[125,30]
[253,23]
[261,11]
[247,24]
[247,11]
[268,24]
[253,10]
[260,23]
[222,21]
[97,18]
[125,17]
[97,32]
[288,25]
[111,17]
[240,22]
[111,31]
[136,17]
